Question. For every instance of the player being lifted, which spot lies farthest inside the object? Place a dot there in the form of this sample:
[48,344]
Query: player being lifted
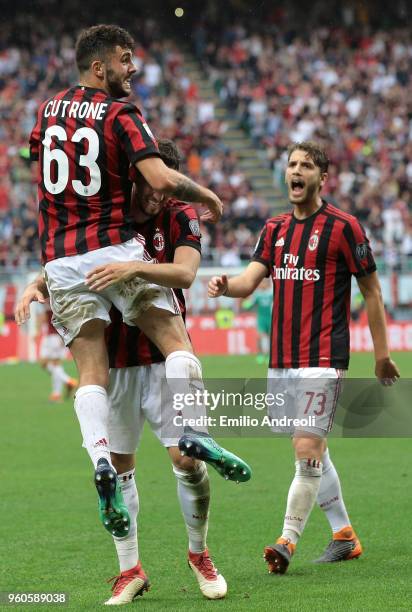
[85,140]
[137,381]
[311,253]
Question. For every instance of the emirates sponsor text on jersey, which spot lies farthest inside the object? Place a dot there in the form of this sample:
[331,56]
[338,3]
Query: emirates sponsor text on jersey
[291,271]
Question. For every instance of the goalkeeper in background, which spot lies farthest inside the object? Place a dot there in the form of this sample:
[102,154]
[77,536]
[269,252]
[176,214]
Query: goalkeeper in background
[261,303]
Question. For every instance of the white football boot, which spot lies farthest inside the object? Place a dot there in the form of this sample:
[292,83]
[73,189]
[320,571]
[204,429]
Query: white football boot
[211,583]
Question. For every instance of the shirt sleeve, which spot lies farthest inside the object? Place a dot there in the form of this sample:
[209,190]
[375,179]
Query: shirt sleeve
[134,134]
[263,249]
[357,250]
[185,229]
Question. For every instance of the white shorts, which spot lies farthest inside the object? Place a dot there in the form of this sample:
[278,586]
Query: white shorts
[311,396]
[52,347]
[138,394]
[73,303]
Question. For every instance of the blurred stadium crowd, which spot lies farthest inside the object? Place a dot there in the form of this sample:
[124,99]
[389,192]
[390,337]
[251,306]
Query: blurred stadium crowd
[347,87]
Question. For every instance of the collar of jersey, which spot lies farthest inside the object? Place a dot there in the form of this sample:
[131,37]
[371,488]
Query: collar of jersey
[324,204]
[78,86]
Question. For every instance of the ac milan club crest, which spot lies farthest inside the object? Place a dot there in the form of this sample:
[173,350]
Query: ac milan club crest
[158,240]
[314,241]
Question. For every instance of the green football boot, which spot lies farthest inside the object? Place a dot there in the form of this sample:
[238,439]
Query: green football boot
[200,445]
[112,509]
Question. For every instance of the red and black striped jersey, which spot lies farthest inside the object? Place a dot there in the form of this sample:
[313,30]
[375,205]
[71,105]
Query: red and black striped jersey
[84,142]
[311,262]
[176,225]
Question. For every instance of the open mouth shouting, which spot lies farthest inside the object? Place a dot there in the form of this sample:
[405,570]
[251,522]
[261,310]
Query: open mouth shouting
[297,186]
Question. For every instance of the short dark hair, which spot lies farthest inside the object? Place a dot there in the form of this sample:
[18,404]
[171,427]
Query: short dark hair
[314,150]
[169,153]
[98,41]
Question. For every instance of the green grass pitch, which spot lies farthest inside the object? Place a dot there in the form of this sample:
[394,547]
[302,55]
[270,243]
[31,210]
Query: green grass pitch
[51,540]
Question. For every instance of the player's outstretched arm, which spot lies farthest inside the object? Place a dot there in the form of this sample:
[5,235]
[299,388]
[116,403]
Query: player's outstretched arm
[35,291]
[178,275]
[239,286]
[174,184]
[386,370]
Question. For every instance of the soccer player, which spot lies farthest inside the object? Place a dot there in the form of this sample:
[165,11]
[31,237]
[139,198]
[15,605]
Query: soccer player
[311,254]
[261,301]
[85,139]
[51,353]
[137,374]
[136,393]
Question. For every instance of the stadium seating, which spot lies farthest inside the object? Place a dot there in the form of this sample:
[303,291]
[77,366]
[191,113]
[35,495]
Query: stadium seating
[347,90]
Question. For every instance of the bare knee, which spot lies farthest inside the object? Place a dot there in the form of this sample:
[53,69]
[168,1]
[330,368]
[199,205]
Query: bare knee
[122,463]
[309,446]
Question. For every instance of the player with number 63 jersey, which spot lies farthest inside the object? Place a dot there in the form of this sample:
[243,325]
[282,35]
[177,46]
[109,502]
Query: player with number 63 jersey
[85,141]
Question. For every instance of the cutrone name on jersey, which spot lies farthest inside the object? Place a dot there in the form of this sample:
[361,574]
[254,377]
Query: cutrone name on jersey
[75,109]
